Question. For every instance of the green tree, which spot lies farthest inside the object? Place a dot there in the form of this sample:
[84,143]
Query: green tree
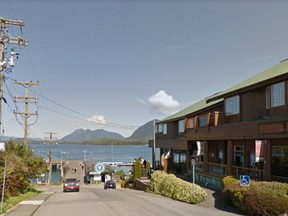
[22,165]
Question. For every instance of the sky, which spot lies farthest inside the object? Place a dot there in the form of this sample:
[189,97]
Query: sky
[117,64]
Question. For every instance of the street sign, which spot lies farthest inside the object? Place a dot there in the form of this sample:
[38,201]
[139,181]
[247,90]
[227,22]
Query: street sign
[99,167]
[193,161]
[244,180]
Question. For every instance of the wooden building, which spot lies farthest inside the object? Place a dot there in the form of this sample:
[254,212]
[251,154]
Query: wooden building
[240,131]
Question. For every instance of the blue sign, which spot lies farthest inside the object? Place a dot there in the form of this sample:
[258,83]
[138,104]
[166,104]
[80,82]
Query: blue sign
[99,167]
[244,180]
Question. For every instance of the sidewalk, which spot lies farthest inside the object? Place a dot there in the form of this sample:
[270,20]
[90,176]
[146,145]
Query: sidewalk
[28,207]
[214,201]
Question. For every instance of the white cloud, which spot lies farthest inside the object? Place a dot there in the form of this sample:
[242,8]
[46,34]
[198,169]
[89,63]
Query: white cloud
[162,103]
[98,119]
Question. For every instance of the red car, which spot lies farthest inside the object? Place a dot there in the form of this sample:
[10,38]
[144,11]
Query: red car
[71,184]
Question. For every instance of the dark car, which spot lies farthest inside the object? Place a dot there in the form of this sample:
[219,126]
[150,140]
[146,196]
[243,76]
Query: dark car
[110,184]
[71,184]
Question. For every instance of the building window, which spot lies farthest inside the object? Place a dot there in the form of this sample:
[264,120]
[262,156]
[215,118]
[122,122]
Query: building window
[159,128]
[238,155]
[179,157]
[232,105]
[181,127]
[203,121]
[275,95]
[190,123]
[280,161]
[164,128]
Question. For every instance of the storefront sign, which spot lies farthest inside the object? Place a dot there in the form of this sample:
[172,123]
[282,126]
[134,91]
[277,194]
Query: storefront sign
[271,128]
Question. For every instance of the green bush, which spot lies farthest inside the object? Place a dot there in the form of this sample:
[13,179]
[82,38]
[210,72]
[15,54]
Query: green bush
[156,180]
[230,180]
[260,198]
[190,193]
[232,193]
[170,186]
[137,169]
[266,198]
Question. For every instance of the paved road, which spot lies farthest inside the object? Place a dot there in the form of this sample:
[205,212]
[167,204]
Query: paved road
[94,200]
[75,170]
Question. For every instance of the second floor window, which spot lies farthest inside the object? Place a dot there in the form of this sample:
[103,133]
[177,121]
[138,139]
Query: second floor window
[159,128]
[190,122]
[232,105]
[181,127]
[203,121]
[275,95]
[164,128]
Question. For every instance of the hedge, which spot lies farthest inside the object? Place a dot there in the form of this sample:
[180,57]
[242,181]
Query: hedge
[170,186]
[260,198]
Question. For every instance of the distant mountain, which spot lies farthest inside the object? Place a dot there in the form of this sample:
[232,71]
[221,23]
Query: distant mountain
[84,135]
[145,131]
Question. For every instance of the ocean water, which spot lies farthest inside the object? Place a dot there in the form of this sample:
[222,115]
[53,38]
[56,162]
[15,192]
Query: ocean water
[95,153]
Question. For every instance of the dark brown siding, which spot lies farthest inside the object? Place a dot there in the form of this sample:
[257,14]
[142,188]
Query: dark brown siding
[253,105]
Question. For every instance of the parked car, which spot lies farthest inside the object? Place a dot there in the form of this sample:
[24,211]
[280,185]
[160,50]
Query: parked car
[110,184]
[71,184]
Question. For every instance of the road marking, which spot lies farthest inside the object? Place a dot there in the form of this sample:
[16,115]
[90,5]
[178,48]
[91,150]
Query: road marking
[32,202]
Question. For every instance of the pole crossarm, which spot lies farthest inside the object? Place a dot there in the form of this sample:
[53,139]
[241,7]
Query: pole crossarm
[25,99]
[11,22]
[14,40]
[6,38]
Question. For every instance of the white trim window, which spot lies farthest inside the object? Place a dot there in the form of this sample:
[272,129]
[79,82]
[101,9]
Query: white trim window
[181,126]
[232,105]
[159,128]
[278,94]
[164,128]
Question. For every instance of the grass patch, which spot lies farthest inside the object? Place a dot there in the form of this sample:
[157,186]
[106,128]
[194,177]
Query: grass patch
[12,201]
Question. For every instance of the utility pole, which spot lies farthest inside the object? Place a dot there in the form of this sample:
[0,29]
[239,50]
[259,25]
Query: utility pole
[50,140]
[26,99]
[7,64]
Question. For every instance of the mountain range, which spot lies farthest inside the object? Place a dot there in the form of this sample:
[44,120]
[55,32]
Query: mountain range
[143,133]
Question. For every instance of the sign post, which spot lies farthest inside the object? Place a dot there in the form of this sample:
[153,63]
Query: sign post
[193,161]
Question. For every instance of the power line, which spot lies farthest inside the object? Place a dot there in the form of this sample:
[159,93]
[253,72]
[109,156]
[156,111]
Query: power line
[79,113]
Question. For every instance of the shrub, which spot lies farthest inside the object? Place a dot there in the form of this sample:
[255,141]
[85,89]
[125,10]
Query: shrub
[266,198]
[190,193]
[170,186]
[156,180]
[230,180]
[232,193]
[137,169]
[260,198]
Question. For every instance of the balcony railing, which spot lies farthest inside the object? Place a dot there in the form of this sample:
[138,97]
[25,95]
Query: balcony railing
[256,174]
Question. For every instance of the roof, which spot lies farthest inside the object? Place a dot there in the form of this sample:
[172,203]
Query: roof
[272,72]
[190,109]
